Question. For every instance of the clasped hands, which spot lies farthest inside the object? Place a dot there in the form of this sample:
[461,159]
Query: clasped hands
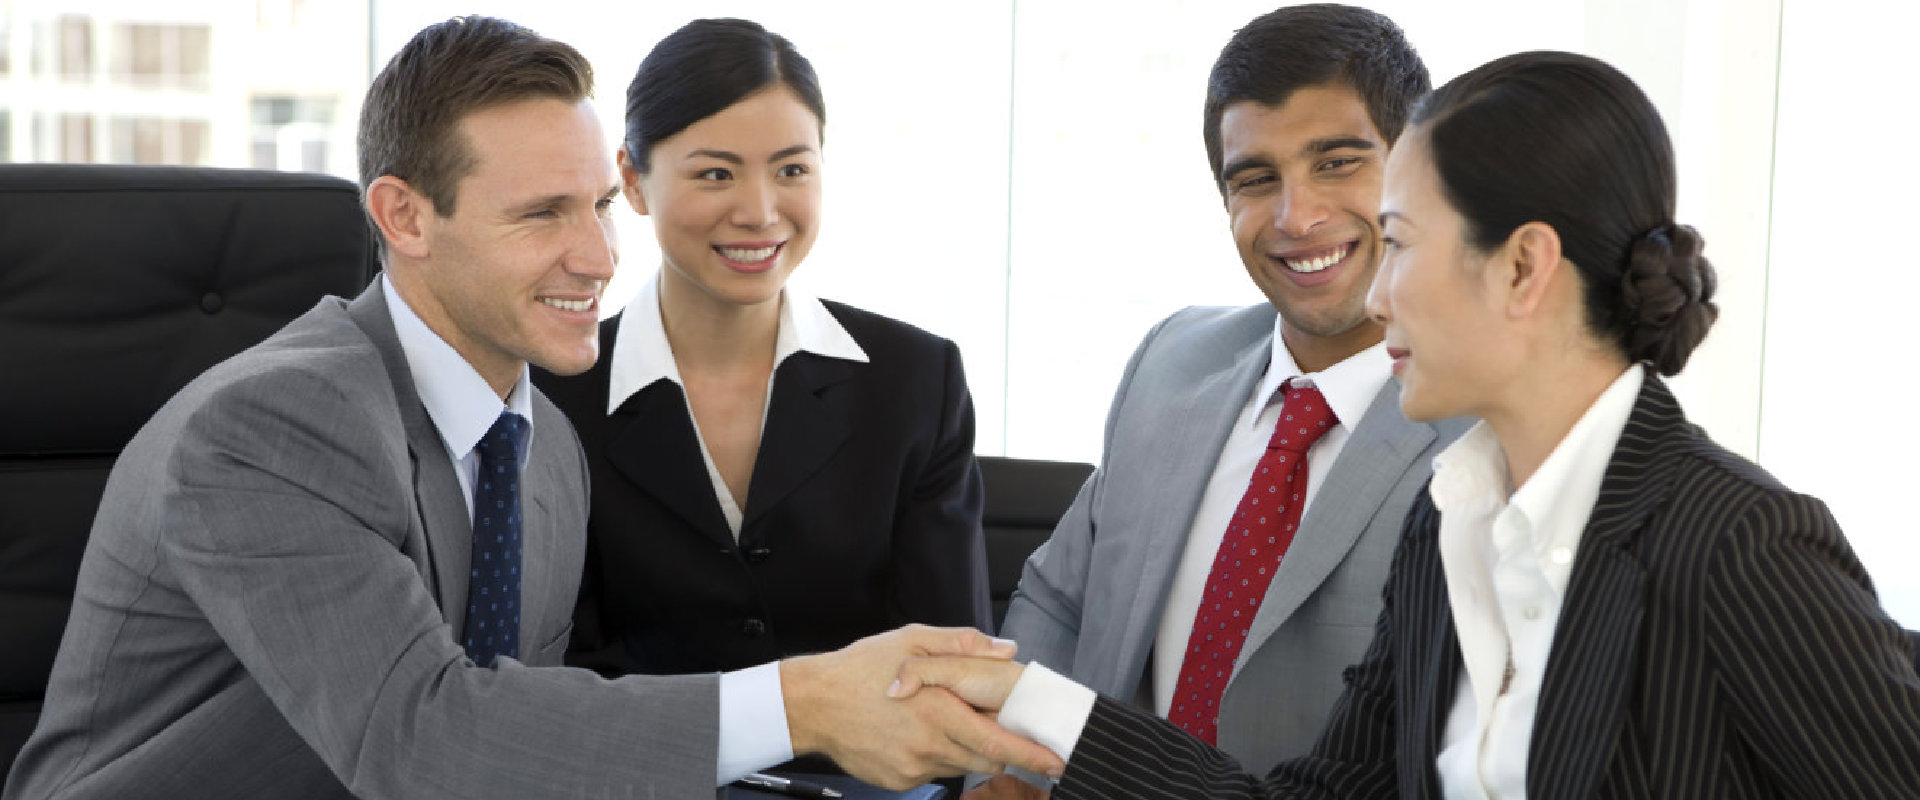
[900,708]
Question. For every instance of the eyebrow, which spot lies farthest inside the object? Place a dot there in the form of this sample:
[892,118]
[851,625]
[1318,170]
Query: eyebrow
[736,160]
[1240,165]
[1344,142]
[1321,146]
[553,200]
[1386,215]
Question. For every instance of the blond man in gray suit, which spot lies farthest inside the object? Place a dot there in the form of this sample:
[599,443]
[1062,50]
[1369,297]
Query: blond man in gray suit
[344,562]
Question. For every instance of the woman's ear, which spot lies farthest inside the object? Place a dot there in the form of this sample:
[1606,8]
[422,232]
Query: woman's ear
[1532,253]
[401,215]
[630,183]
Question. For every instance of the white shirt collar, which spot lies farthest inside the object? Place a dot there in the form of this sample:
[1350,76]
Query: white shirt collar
[460,403]
[641,354]
[1470,476]
[1349,386]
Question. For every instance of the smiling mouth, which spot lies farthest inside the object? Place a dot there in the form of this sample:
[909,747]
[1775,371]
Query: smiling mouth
[748,255]
[568,305]
[1314,262]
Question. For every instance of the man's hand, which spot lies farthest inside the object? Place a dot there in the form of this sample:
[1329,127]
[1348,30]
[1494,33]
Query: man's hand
[1005,787]
[838,705]
[983,682]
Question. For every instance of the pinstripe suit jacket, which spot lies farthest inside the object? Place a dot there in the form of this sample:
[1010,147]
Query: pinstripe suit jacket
[1718,639]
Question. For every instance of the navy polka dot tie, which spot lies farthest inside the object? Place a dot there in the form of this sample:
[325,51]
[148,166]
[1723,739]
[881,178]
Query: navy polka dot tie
[1257,538]
[493,588]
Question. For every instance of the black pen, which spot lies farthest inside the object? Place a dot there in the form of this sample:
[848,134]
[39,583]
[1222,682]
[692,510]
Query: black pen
[787,786]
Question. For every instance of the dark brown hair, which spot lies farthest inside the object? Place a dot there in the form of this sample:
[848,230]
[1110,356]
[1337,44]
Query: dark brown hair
[1291,48]
[704,68]
[409,122]
[1568,140]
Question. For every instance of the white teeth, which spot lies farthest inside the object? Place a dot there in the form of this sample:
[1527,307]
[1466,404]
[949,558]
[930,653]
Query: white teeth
[1316,264]
[568,305]
[749,256]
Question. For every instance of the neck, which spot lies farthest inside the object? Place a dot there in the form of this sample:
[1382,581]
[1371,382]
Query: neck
[500,371]
[1543,407]
[706,332]
[1316,353]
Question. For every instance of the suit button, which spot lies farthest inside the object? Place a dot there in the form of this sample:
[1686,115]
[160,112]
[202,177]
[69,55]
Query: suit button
[753,627]
[758,555]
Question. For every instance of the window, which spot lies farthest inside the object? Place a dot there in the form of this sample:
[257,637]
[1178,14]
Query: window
[63,137]
[169,56]
[159,141]
[291,133]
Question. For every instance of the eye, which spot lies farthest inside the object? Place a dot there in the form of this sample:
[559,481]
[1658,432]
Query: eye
[793,171]
[1254,183]
[542,213]
[714,174]
[1345,164]
[604,204]
[1390,243]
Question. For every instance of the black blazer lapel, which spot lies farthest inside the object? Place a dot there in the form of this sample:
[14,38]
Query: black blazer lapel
[655,448]
[1432,653]
[807,423]
[1592,668]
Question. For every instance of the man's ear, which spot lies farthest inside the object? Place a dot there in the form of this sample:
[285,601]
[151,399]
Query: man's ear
[630,183]
[1532,253]
[401,215]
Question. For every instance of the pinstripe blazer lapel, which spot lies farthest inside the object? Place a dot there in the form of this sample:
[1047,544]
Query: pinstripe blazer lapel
[1588,682]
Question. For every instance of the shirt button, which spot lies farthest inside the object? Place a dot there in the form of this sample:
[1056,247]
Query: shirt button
[753,627]
[758,555]
[1561,555]
[1531,612]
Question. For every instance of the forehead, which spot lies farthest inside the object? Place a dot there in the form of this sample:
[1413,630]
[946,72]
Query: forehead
[1410,177]
[772,118]
[1310,114]
[535,147]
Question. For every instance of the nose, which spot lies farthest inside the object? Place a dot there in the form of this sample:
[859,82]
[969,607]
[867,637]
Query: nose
[595,249]
[756,205]
[1302,207]
[1377,307]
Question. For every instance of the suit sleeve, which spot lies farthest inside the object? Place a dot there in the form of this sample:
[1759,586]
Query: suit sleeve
[940,552]
[1044,614]
[1126,752]
[286,528]
[1821,681]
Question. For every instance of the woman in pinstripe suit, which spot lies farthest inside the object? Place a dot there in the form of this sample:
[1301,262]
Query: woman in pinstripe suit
[1592,600]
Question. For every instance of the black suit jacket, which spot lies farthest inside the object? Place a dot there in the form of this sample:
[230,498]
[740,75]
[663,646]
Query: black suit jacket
[863,512]
[1718,639]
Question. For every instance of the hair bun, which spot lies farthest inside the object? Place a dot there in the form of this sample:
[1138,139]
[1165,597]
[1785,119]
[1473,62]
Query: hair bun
[1667,297]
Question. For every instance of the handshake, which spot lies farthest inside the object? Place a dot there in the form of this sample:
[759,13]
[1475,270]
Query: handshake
[902,707]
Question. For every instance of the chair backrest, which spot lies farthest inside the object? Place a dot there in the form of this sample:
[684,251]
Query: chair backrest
[118,285]
[1025,499]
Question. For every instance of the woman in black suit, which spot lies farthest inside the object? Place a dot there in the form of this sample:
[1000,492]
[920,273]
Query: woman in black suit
[1592,599]
[773,474]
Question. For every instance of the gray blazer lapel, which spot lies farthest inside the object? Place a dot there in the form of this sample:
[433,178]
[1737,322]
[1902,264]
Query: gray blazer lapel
[1383,446]
[1192,427]
[445,534]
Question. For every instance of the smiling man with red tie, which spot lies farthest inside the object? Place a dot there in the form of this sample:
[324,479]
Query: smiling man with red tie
[1222,567]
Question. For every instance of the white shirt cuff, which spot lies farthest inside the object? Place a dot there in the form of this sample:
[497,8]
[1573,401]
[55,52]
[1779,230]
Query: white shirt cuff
[1048,709]
[753,722]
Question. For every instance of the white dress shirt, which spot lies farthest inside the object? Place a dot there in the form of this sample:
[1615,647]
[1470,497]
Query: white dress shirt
[1349,387]
[642,355]
[1507,555]
[1051,709]
[753,715]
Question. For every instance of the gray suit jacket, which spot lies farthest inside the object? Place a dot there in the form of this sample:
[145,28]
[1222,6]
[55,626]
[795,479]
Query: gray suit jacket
[270,593]
[1090,601]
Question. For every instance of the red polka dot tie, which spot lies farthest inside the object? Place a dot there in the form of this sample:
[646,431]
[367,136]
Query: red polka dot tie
[1257,538]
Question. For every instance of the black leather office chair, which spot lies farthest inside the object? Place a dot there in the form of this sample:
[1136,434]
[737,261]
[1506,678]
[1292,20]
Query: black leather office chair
[1024,501]
[117,286]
